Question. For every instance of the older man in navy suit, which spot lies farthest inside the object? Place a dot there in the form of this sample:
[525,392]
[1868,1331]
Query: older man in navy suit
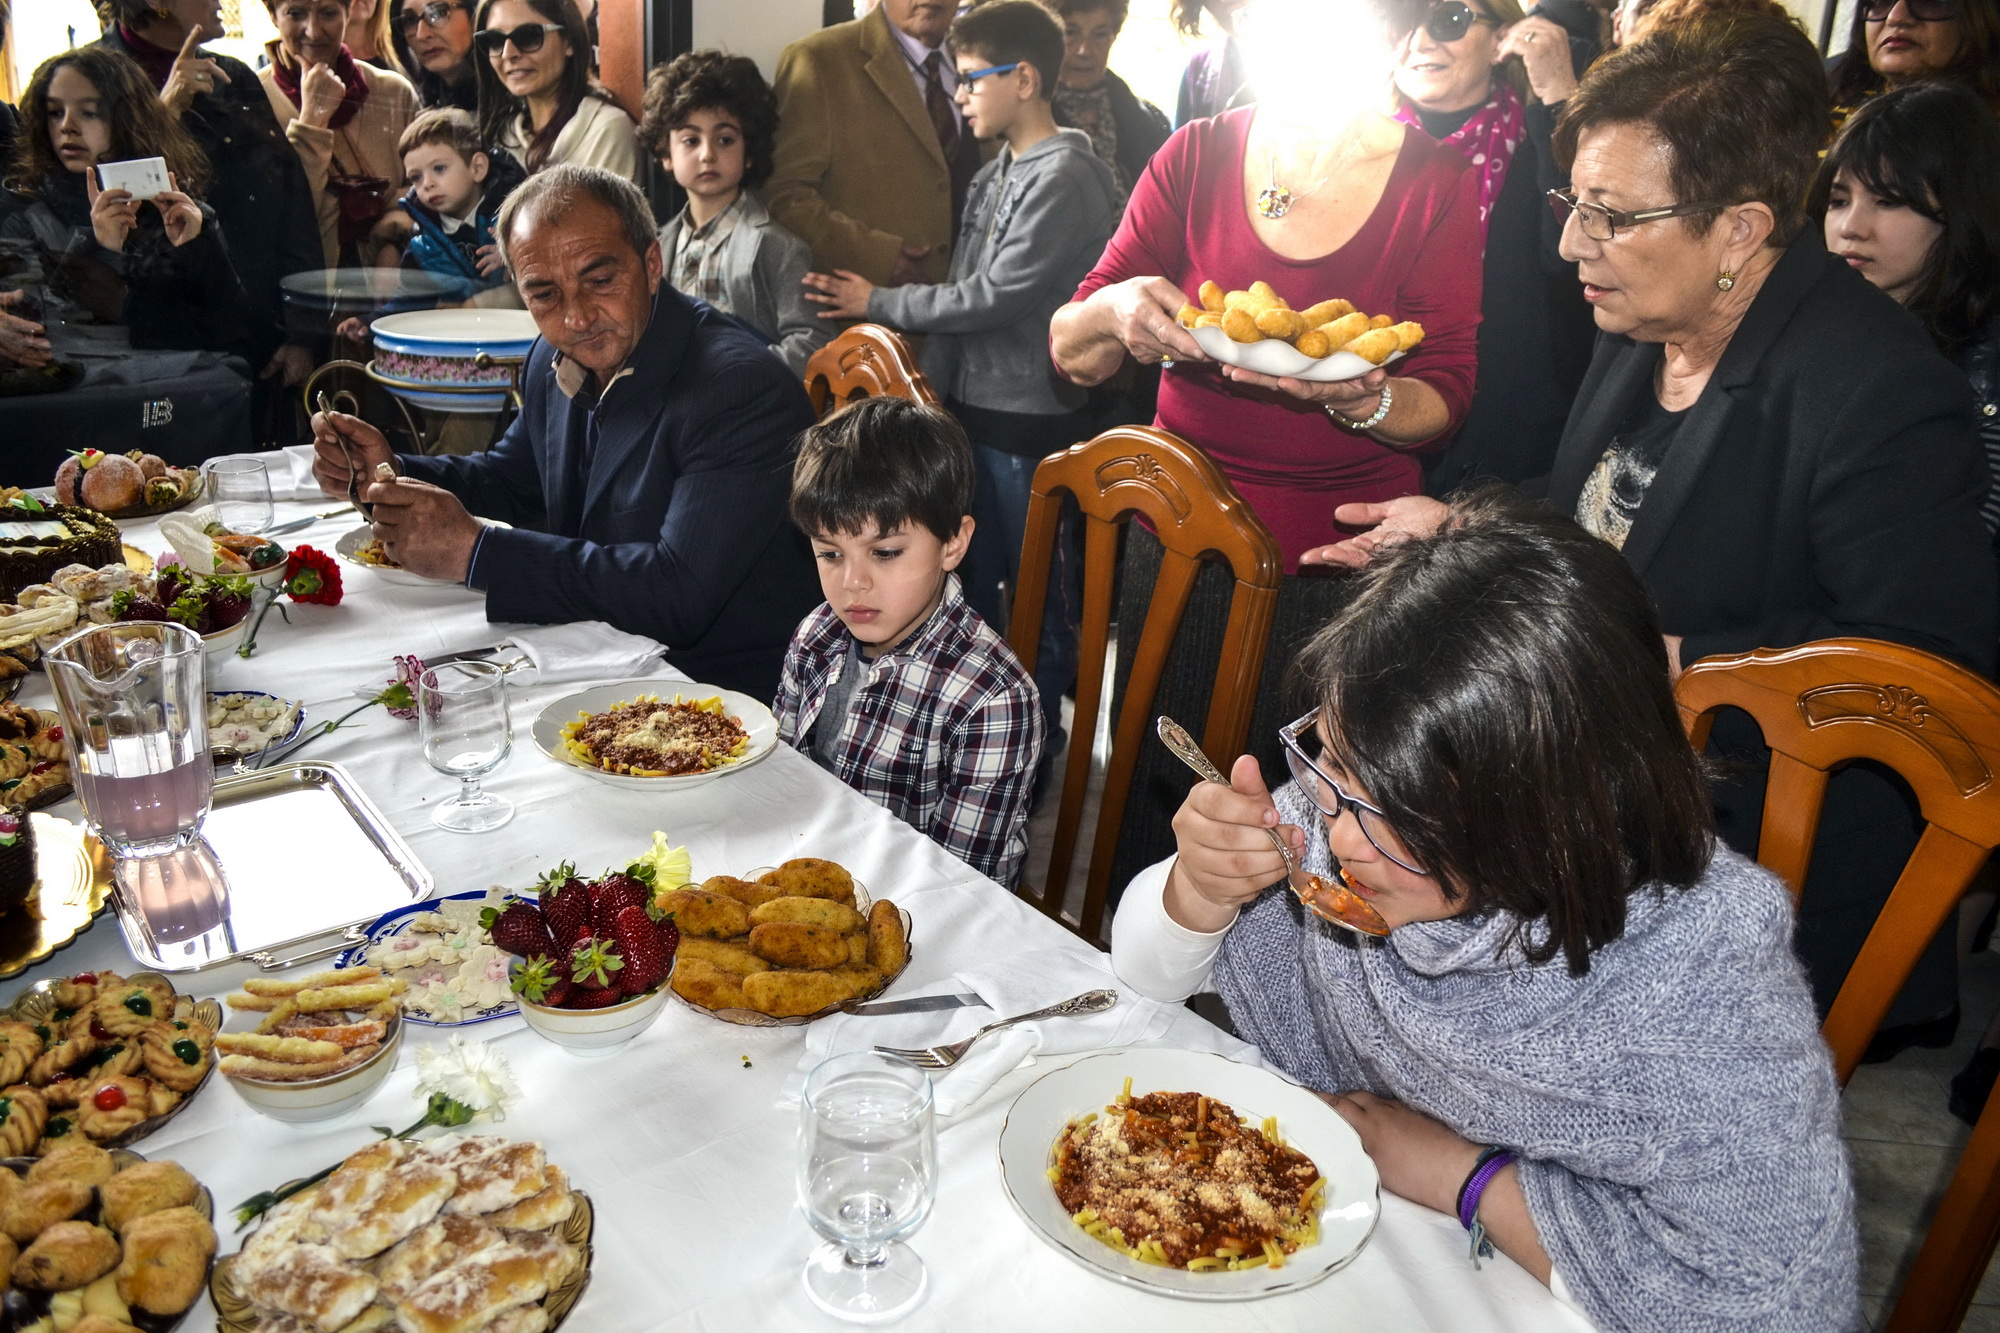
[648,473]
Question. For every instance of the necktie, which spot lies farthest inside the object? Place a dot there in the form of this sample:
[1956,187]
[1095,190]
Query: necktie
[943,121]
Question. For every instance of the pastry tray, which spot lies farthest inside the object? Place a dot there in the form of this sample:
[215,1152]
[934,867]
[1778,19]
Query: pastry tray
[304,854]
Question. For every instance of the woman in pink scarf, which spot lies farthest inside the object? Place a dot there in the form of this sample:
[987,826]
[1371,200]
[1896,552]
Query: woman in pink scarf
[1478,78]
[343,117]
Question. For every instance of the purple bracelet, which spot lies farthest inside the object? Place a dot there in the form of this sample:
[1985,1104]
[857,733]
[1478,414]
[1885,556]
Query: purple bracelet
[1490,1164]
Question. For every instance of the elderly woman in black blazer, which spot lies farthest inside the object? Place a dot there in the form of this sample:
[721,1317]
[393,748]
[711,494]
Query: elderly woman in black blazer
[1775,446]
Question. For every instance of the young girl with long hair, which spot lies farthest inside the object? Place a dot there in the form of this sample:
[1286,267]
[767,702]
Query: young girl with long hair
[157,267]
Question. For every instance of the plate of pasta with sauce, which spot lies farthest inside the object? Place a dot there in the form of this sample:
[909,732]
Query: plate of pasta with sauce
[1188,1174]
[656,735]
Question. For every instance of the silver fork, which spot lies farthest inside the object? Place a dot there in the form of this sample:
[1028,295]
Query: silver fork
[944,1057]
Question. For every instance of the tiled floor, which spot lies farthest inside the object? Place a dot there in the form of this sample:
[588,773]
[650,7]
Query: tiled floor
[1904,1143]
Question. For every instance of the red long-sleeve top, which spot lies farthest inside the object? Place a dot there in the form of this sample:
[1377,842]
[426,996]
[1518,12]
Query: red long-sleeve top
[1418,256]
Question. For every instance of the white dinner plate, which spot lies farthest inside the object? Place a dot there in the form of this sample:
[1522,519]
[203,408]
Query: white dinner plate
[355,538]
[1351,1202]
[1274,356]
[751,715]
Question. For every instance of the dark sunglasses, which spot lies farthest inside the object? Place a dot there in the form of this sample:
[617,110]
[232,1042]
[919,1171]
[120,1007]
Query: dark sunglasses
[527,39]
[1453,19]
[1923,11]
[437,14]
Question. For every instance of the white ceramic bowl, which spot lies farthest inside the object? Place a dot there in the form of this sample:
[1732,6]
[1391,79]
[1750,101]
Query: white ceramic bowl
[440,351]
[322,1098]
[224,641]
[596,1031]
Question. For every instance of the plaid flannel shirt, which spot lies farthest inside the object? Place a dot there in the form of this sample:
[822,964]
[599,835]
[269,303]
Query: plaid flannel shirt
[944,730]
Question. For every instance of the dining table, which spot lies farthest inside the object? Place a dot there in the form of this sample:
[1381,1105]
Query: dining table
[684,1139]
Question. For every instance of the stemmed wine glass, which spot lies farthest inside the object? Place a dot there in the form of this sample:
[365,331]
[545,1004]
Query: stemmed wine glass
[462,715]
[867,1179]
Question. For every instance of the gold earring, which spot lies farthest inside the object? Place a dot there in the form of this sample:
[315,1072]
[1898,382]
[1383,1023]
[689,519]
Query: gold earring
[1724,280]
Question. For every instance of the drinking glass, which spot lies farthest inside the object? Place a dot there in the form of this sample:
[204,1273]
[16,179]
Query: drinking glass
[462,715]
[136,717]
[240,490]
[867,1179]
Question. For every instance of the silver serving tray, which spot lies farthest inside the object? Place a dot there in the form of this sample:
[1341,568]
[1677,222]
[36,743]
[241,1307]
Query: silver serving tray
[304,854]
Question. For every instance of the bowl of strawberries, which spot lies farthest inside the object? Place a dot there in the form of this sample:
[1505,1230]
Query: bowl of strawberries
[591,958]
[217,608]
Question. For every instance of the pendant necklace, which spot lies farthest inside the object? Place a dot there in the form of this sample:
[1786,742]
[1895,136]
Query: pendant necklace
[1274,200]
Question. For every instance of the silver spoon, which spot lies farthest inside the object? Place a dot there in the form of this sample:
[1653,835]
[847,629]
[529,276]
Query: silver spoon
[1330,901]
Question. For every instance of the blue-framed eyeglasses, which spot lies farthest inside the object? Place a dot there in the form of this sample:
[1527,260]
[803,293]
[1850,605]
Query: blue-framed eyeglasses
[1302,754]
[972,76]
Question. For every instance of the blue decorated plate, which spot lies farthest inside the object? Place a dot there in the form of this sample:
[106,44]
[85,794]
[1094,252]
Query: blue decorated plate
[394,924]
[277,741]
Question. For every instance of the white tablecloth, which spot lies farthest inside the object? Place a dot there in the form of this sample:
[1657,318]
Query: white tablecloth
[679,1143]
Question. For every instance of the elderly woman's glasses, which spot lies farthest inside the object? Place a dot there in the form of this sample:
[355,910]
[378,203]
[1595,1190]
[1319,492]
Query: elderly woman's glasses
[1303,753]
[527,39]
[437,14]
[1451,20]
[1601,224]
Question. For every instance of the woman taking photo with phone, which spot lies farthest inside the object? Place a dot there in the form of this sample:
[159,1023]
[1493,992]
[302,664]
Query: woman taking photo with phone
[536,96]
[156,267]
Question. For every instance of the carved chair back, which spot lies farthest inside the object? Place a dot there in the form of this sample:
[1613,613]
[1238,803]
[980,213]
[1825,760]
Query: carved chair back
[1194,511]
[864,362]
[1826,704]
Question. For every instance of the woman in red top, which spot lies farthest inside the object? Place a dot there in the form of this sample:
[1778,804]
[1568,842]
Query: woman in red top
[1378,213]
[1319,193]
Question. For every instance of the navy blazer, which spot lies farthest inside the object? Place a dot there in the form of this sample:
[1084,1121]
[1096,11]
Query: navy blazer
[678,528]
[1826,483]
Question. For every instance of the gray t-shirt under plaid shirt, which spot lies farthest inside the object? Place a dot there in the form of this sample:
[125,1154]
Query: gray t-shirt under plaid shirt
[833,712]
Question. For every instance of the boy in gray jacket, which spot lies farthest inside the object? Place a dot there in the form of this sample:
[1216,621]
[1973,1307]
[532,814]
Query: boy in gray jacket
[1036,219]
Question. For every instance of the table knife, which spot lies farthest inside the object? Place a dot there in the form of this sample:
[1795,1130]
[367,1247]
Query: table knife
[921,1004]
[298,523]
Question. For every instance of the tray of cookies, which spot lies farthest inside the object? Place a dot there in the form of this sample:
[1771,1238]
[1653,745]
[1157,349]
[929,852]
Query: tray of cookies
[783,946]
[460,1232]
[102,1058]
[89,1232]
[1258,329]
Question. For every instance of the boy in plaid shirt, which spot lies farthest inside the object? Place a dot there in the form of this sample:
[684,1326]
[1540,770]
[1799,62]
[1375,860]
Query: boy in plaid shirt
[895,685]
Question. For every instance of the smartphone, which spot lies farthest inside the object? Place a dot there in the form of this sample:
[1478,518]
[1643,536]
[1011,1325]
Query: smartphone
[144,177]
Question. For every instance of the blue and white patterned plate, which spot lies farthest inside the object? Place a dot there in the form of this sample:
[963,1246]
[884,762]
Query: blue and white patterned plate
[395,923]
[277,742]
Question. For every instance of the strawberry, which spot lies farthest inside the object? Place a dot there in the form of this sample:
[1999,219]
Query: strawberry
[583,998]
[670,937]
[611,895]
[565,903]
[537,982]
[519,929]
[639,941]
[170,584]
[228,601]
[592,961]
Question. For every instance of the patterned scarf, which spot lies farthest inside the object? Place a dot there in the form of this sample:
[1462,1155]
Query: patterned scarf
[1488,140]
[1090,110]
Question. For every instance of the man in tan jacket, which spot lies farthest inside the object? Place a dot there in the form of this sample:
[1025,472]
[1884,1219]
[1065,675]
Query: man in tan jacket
[873,157]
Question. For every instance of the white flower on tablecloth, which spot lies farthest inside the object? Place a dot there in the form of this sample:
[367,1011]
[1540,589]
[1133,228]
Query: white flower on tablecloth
[469,1072]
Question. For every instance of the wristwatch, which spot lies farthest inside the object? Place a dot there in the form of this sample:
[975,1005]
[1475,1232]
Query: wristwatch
[1381,412]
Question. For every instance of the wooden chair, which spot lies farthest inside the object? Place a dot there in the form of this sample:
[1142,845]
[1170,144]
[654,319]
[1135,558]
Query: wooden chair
[865,362]
[1194,511]
[1823,705]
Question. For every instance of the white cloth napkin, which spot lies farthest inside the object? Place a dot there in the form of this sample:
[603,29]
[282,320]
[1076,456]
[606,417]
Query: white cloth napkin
[1018,984]
[586,650]
[291,470]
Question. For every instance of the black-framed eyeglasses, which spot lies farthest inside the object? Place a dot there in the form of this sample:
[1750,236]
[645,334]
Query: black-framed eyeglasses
[437,14]
[527,39]
[972,76]
[1302,755]
[1923,11]
[1601,224]
[1452,19]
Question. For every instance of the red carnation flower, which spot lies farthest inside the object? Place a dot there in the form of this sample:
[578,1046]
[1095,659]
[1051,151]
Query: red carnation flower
[312,576]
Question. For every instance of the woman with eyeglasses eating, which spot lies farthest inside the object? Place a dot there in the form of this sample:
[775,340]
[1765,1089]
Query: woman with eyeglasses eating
[1776,447]
[536,96]
[1896,42]
[1584,1034]
[434,41]
[1464,75]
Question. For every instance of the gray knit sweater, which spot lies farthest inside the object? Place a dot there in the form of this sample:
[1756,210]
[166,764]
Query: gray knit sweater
[1674,1108]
